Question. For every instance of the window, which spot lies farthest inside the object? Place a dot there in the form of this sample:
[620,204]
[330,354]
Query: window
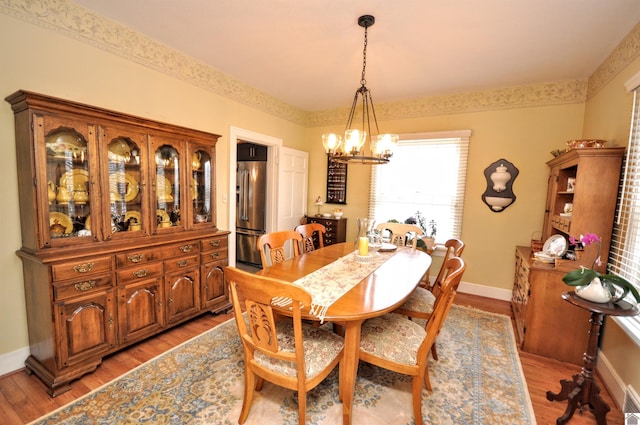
[624,258]
[426,173]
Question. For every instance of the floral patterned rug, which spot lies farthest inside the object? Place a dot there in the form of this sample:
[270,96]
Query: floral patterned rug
[478,380]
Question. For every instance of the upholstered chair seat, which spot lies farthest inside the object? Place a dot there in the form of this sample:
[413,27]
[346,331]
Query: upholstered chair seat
[420,300]
[392,337]
[321,347]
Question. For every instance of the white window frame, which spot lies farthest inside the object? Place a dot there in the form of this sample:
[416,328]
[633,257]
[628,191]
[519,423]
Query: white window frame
[624,257]
[448,213]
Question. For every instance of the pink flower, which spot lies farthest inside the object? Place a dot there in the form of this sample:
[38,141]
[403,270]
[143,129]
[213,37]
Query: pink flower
[590,238]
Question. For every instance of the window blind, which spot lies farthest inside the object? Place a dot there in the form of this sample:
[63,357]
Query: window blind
[427,173]
[624,256]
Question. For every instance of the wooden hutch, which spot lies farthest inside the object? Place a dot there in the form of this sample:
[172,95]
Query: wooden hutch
[119,234]
[587,178]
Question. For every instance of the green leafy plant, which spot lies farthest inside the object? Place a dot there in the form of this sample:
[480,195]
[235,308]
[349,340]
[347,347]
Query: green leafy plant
[429,229]
[583,276]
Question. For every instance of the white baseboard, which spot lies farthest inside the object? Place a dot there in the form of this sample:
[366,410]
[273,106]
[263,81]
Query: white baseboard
[485,291]
[615,385]
[10,362]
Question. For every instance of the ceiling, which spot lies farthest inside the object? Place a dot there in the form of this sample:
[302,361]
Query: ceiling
[308,53]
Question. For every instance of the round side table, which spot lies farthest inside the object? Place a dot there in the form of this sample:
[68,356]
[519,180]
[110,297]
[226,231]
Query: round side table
[583,390]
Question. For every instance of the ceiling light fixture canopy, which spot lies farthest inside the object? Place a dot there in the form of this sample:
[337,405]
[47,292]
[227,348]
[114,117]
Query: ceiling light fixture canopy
[353,149]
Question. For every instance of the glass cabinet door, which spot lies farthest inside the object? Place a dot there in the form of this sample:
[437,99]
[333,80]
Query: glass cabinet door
[68,182]
[168,186]
[201,186]
[126,155]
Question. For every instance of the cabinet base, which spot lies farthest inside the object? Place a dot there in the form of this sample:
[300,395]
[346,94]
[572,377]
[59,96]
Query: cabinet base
[60,383]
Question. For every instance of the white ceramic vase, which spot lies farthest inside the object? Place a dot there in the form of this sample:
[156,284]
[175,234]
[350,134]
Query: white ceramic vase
[595,291]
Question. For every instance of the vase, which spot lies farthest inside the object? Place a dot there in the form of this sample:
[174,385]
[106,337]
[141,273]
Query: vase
[595,291]
[365,227]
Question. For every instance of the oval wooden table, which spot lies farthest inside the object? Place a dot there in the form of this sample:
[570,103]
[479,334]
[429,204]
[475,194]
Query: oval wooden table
[379,293]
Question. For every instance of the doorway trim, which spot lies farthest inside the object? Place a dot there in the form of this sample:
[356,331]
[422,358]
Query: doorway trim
[273,145]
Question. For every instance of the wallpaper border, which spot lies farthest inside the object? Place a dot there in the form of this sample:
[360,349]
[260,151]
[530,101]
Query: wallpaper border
[71,20]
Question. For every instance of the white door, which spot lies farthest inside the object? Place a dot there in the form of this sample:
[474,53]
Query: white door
[293,175]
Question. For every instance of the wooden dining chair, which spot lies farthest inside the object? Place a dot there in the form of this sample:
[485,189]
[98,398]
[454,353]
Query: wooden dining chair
[399,231]
[398,344]
[307,231]
[420,304]
[280,349]
[273,246]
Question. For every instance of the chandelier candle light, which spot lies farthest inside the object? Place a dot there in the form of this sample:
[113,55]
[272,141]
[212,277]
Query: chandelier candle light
[352,149]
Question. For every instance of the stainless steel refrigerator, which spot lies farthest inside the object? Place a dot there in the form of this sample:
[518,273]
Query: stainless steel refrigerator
[251,187]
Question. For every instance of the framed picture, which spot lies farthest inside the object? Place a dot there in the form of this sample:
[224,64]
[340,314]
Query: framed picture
[571,184]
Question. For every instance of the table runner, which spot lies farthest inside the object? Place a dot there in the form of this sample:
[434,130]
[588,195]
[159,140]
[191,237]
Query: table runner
[332,281]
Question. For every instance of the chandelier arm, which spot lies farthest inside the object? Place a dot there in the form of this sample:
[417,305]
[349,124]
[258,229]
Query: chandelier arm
[354,105]
[373,111]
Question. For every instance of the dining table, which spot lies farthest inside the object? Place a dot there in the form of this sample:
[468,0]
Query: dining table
[378,290]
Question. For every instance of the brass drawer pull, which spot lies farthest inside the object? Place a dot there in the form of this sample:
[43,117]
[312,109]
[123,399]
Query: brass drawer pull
[135,258]
[85,286]
[186,248]
[83,268]
[182,263]
[215,254]
[215,243]
[140,273]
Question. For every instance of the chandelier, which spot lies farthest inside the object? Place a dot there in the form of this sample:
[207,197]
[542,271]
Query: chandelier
[353,149]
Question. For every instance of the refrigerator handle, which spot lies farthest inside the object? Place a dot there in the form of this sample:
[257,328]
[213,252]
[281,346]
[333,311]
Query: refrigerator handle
[244,196]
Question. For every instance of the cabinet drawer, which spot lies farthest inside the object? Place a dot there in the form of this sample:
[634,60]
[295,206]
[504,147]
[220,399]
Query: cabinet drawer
[219,242]
[180,249]
[138,257]
[206,257]
[75,269]
[180,263]
[79,287]
[142,271]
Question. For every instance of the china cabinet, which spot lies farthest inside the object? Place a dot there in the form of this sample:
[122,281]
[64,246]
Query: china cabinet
[119,234]
[336,229]
[587,180]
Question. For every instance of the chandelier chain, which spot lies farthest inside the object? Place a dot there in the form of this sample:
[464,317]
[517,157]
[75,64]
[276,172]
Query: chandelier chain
[363,81]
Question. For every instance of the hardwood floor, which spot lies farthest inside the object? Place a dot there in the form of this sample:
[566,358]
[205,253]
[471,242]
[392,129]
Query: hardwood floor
[23,397]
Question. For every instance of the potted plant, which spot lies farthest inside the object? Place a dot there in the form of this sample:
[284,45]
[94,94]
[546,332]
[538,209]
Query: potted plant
[430,230]
[594,286]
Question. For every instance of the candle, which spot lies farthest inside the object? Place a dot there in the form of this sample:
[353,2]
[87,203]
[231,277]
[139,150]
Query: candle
[363,246]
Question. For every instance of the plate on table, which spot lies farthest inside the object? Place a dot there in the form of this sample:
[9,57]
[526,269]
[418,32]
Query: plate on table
[62,219]
[544,258]
[556,246]
[387,247]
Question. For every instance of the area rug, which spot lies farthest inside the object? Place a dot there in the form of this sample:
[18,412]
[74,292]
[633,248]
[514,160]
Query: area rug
[477,380]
